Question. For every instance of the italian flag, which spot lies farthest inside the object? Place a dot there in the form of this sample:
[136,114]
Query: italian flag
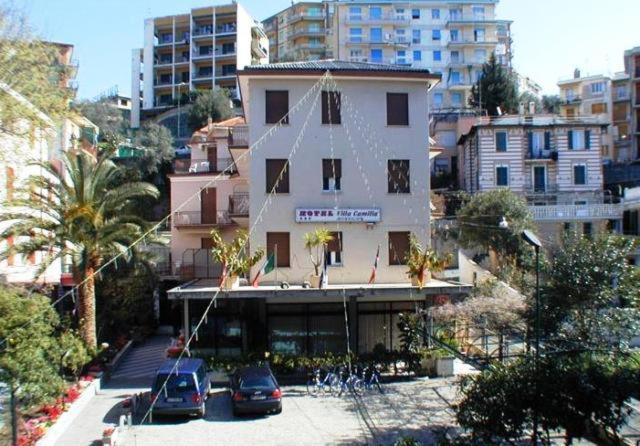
[268,266]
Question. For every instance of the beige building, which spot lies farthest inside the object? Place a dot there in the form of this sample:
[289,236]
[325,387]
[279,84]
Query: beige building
[320,167]
[201,49]
[632,68]
[554,162]
[300,32]
[621,118]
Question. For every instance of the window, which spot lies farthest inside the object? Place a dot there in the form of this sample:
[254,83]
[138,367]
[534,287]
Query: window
[579,140]
[400,13]
[355,35]
[455,56]
[580,174]
[502,176]
[355,55]
[277,169]
[398,177]
[587,229]
[417,56]
[331,175]
[331,107]
[455,14]
[376,55]
[398,247]
[435,34]
[277,106]
[375,13]
[597,88]
[437,99]
[501,141]
[478,35]
[435,14]
[415,13]
[278,243]
[415,36]
[455,35]
[598,108]
[355,13]
[456,99]
[455,78]
[376,35]
[397,109]
[400,35]
[401,57]
[334,250]
[437,56]
[478,12]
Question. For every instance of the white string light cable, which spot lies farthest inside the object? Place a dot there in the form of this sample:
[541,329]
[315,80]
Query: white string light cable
[273,129]
[258,219]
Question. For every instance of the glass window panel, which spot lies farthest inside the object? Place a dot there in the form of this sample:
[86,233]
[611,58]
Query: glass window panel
[287,334]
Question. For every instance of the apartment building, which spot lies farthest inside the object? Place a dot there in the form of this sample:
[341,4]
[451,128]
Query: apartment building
[589,96]
[554,162]
[201,49]
[300,32]
[321,169]
[621,118]
[632,68]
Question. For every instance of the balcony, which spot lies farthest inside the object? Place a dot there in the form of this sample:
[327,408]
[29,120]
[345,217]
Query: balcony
[258,49]
[239,136]
[572,100]
[577,212]
[197,264]
[197,219]
[308,31]
[535,189]
[293,18]
[201,31]
[541,154]
[188,166]
[227,28]
[239,205]
[464,42]
[203,75]
[163,61]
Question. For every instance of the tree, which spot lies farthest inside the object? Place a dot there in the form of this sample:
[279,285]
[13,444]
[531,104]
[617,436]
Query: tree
[526,98]
[495,88]
[106,116]
[36,348]
[551,104]
[157,147]
[479,224]
[31,77]
[318,240]
[77,214]
[214,104]
[592,294]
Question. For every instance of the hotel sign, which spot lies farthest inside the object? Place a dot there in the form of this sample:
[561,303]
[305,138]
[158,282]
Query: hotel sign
[338,215]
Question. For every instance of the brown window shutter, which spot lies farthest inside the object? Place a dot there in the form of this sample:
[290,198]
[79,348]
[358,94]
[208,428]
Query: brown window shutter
[398,247]
[273,169]
[331,166]
[277,106]
[397,109]
[335,245]
[331,107]
[281,239]
[206,243]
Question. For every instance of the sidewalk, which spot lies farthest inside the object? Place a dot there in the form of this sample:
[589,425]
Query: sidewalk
[134,375]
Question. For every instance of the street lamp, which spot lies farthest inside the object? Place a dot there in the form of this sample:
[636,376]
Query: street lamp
[533,240]
[180,85]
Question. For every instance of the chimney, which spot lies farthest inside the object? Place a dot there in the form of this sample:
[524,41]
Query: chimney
[532,108]
[521,108]
[576,73]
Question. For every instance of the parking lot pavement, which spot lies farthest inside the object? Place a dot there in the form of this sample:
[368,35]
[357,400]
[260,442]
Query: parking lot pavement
[413,408]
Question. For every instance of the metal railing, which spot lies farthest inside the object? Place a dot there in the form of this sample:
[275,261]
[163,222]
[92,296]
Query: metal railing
[203,30]
[239,136]
[541,154]
[562,212]
[239,204]
[197,218]
[531,188]
[197,264]
[203,166]
[226,28]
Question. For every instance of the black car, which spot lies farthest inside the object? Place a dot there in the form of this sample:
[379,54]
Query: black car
[255,390]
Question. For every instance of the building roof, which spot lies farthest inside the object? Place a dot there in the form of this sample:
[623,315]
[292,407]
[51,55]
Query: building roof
[337,66]
[532,121]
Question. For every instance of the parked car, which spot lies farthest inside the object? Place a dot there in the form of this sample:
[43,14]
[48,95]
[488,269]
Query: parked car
[255,390]
[183,152]
[186,391]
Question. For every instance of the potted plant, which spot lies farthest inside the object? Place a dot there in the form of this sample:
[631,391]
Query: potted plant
[423,262]
[233,258]
[315,242]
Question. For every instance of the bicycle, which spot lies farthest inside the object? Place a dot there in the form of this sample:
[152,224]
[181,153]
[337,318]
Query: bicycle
[371,378]
[350,382]
[316,384]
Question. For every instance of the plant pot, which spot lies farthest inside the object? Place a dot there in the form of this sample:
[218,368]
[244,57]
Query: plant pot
[444,366]
[230,283]
[314,281]
[426,277]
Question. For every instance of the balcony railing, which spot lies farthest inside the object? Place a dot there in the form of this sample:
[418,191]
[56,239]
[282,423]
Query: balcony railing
[530,188]
[308,31]
[541,154]
[203,30]
[576,212]
[239,205]
[239,136]
[196,218]
[203,166]
[197,264]
[226,28]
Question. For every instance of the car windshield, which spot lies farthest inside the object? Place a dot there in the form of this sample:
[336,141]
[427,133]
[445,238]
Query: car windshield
[256,382]
[181,382]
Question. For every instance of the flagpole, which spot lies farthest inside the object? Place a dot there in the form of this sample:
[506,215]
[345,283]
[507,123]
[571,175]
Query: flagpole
[275,260]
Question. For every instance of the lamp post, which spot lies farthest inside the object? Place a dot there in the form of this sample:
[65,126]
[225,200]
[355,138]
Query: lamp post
[532,240]
[180,85]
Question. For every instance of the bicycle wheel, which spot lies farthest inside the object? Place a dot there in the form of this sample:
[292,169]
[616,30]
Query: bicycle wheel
[334,385]
[312,387]
[358,386]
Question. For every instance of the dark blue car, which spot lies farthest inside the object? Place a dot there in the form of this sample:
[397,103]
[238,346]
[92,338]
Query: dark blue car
[186,390]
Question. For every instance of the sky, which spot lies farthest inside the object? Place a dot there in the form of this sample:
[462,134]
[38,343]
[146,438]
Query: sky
[551,37]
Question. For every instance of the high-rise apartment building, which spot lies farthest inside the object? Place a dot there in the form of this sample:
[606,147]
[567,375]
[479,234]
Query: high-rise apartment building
[300,32]
[621,118]
[632,68]
[198,50]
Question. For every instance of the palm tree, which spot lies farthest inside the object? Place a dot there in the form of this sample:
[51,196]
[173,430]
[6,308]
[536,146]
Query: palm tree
[79,213]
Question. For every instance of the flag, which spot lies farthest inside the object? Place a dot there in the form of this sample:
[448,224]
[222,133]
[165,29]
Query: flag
[268,266]
[324,277]
[372,279]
